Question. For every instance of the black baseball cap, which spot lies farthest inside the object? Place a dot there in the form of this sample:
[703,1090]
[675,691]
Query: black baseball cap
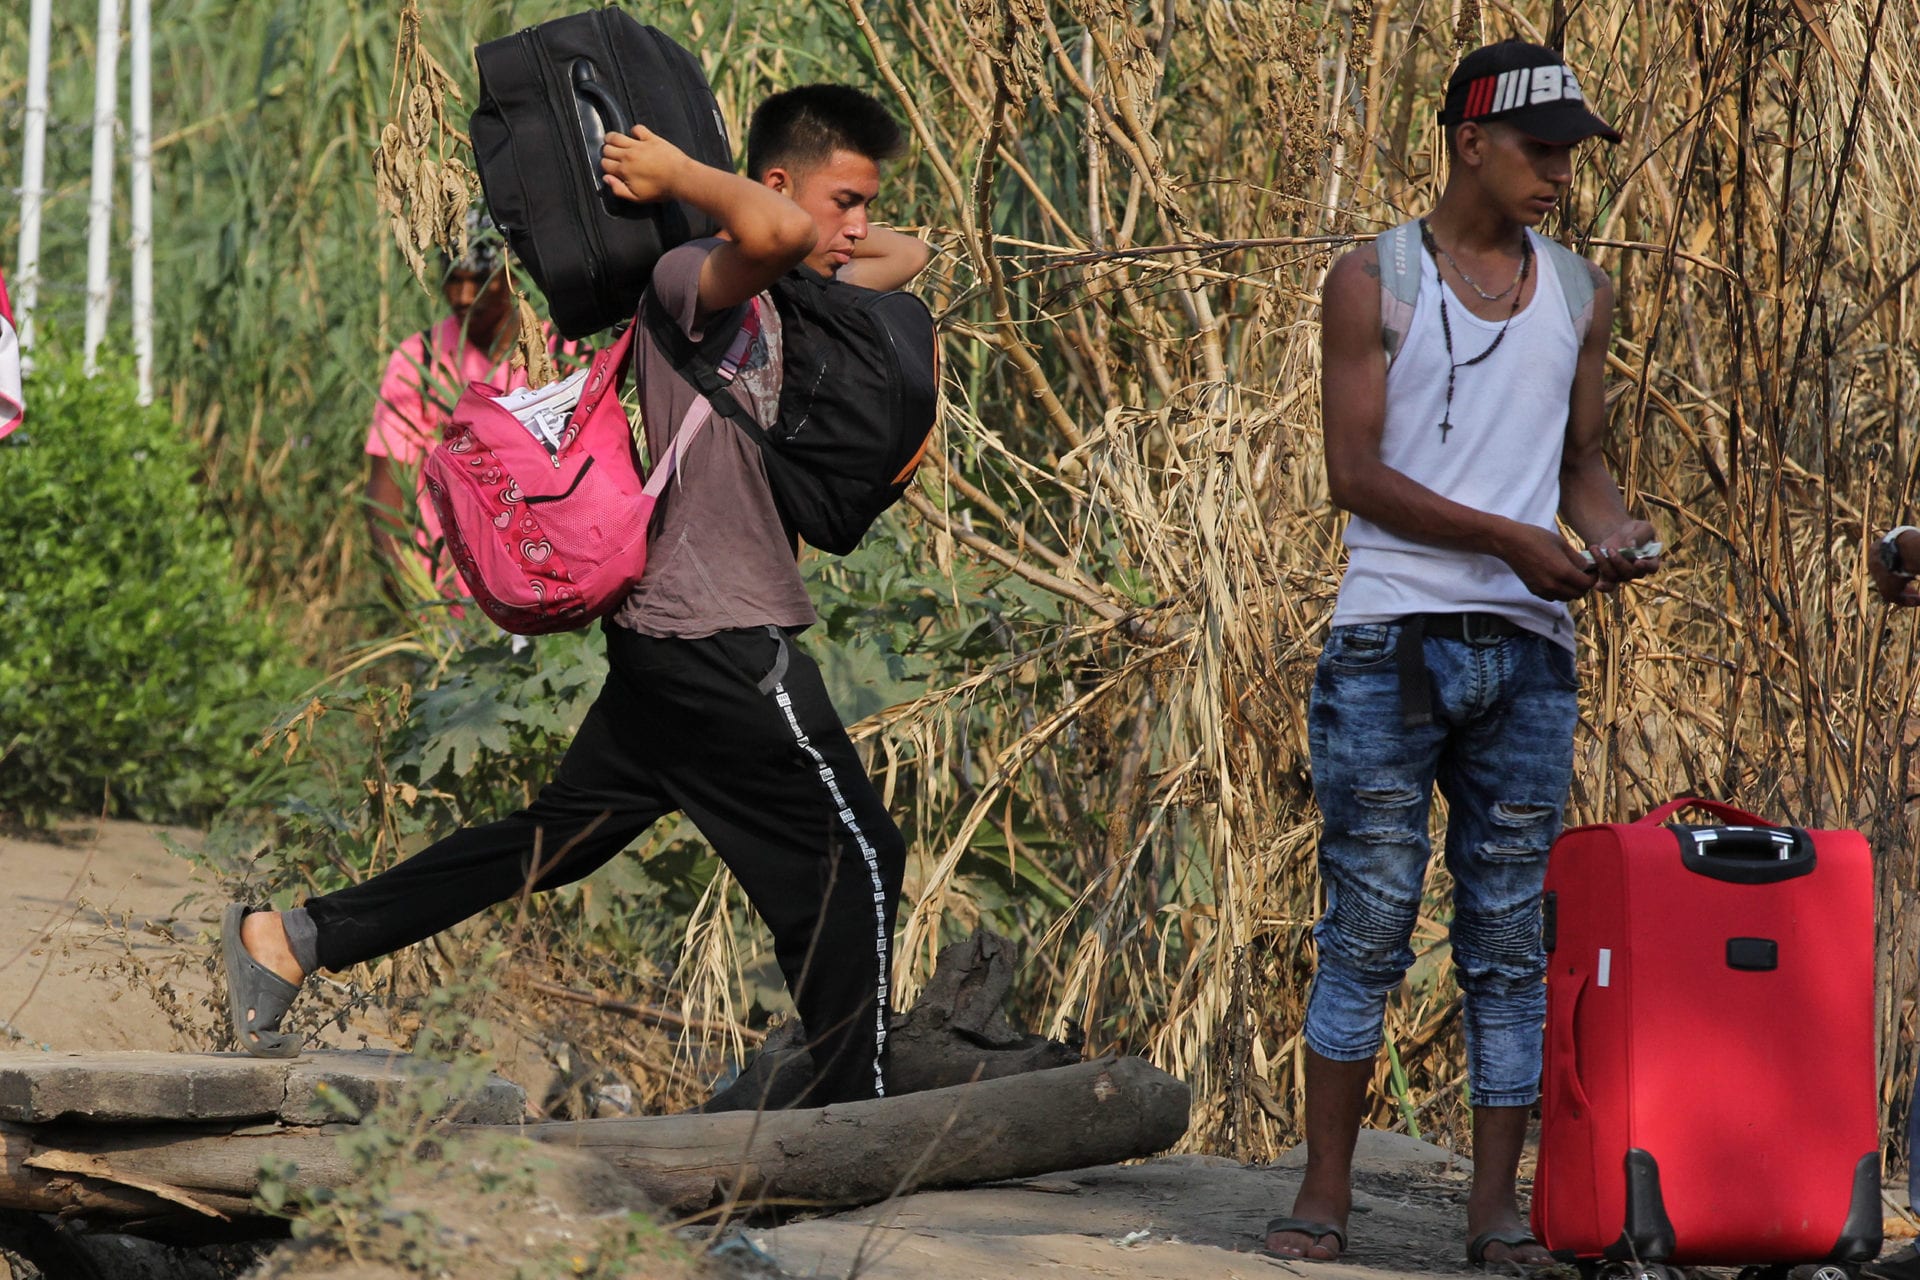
[1528,86]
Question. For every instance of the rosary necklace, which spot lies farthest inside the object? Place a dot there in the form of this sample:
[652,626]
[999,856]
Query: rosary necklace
[1446,328]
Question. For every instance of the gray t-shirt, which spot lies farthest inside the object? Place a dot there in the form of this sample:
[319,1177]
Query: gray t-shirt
[718,557]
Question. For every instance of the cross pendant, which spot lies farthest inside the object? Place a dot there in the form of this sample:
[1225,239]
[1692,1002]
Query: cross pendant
[1445,427]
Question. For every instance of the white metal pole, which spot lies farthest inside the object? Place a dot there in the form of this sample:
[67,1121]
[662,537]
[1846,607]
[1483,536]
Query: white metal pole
[106,98]
[141,108]
[33,176]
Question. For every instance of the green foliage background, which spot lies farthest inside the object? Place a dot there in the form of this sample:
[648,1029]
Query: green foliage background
[135,676]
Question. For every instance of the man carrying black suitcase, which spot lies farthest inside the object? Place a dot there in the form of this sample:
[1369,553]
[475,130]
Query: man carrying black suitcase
[1451,654]
[709,707]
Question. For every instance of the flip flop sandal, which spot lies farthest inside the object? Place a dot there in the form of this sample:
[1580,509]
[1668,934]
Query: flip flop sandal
[1515,1239]
[1307,1227]
[253,986]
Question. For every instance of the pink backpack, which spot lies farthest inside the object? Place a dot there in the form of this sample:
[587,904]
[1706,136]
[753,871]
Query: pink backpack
[550,534]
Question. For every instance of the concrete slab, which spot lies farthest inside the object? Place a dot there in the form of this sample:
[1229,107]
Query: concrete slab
[318,1083]
[316,1088]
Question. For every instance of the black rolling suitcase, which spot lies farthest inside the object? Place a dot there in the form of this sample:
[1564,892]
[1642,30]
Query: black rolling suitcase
[549,95]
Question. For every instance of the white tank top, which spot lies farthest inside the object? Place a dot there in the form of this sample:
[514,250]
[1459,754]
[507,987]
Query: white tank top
[1502,456]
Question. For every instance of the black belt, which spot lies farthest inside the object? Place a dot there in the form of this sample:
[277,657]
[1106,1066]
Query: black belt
[1416,686]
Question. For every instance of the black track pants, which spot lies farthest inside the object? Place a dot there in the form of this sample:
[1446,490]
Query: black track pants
[737,730]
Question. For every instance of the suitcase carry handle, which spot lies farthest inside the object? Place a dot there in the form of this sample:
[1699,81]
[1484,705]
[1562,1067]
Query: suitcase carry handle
[594,96]
[1565,1100]
[1714,807]
[1762,854]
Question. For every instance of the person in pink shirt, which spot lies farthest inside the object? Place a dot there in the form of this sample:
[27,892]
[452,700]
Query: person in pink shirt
[13,403]
[423,382]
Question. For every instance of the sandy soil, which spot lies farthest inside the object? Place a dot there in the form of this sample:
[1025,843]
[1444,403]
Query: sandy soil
[79,919]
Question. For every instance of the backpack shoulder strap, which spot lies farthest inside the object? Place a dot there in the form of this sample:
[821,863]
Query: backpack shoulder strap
[1576,284]
[709,372]
[1399,255]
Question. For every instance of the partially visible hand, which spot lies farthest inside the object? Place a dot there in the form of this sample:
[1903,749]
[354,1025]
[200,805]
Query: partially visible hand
[641,166]
[1543,561]
[1614,568]
[1901,592]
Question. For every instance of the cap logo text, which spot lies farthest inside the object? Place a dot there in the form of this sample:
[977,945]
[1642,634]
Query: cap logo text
[1523,87]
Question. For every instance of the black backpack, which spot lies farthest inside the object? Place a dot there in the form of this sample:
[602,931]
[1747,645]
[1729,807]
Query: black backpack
[549,95]
[859,393]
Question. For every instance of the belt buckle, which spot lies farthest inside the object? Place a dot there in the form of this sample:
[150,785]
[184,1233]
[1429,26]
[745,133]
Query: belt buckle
[1471,631]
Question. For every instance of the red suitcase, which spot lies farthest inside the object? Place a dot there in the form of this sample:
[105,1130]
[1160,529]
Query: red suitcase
[1709,1096]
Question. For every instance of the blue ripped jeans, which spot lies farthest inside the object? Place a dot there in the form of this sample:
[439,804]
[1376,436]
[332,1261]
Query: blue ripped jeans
[1913,1148]
[1501,748]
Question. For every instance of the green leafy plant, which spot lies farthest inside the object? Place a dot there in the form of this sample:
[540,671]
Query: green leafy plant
[135,673]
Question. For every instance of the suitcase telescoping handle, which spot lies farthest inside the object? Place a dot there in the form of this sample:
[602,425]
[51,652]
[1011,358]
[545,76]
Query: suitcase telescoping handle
[593,95]
[1754,852]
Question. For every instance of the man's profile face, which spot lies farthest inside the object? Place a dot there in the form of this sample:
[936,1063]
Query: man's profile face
[836,193]
[479,302]
[1525,177]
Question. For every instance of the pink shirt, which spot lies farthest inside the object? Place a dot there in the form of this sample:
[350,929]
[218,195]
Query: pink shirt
[12,401]
[416,400]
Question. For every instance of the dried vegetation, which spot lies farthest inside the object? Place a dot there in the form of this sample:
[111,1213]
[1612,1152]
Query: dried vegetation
[1140,204]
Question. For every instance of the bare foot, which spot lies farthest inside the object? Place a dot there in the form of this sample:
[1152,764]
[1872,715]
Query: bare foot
[265,937]
[1497,1235]
[1298,1244]
[1324,1245]
[1493,1243]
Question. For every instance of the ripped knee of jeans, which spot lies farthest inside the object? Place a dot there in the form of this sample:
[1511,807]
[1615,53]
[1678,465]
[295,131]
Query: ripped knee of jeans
[1522,830]
[1389,814]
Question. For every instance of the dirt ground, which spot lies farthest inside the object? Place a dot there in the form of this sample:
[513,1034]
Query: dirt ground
[72,914]
[1187,1217]
[82,920]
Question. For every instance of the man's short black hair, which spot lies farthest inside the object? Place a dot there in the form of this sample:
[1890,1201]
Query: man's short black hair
[803,127]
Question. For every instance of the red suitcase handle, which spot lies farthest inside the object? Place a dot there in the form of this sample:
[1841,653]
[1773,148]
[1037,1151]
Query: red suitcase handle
[1572,1192]
[1714,807]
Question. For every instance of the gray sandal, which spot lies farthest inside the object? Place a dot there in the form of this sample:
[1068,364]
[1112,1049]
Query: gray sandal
[253,986]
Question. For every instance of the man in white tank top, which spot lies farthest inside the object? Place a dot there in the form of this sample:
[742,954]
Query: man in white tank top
[1462,363]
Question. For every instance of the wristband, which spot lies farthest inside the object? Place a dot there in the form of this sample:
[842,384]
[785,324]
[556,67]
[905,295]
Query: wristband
[1889,551]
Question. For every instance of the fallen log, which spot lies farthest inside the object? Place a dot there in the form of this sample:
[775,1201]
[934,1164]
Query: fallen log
[862,1152]
[858,1153]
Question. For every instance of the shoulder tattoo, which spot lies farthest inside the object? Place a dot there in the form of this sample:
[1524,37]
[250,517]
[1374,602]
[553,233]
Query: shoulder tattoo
[1370,263]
